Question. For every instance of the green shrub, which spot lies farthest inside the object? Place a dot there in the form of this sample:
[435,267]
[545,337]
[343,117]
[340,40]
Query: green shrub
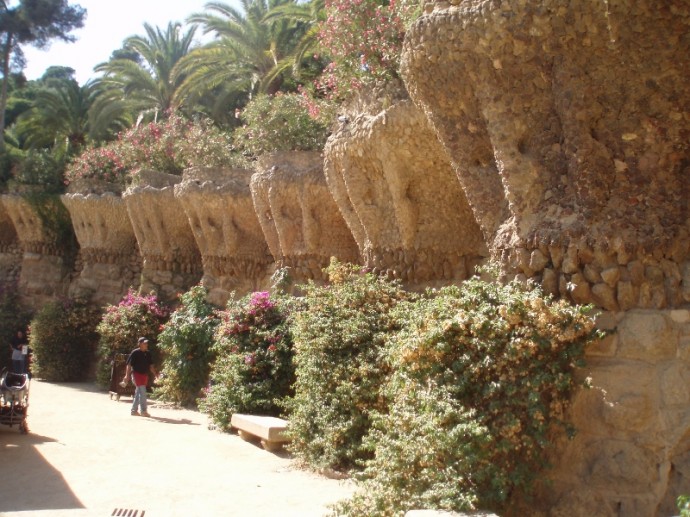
[340,366]
[123,324]
[495,364]
[63,338]
[13,317]
[282,123]
[253,371]
[683,503]
[185,344]
[41,167]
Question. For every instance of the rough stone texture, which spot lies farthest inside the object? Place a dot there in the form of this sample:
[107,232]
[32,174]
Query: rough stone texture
[10,250]
[630,455]
[567,122]
[399,196]
[45,262]
[299,218]
[218,205]
[171,258]
[110,262]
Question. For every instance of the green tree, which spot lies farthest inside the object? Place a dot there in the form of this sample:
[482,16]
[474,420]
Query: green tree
[32,22]
[146,85]
[246,57]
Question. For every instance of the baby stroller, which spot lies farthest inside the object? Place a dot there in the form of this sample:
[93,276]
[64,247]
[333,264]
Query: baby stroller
[14,399]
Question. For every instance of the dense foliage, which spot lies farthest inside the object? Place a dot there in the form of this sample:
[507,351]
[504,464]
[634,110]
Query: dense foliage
[283,122]
[364,41]
[169,146]
[123,324]
[185,343]
[63,338]
[13,317]
[340,365]
[482,376]
[253,371]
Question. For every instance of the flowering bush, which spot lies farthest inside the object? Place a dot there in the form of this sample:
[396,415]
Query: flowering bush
[63,337]
[123,324]
[364,40]
[185,343]
[283,122]
[104,163]
[253,371]
[491,367]
[340,366]
[169,146]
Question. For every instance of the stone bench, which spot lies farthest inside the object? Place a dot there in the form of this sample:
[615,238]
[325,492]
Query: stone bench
[270,430]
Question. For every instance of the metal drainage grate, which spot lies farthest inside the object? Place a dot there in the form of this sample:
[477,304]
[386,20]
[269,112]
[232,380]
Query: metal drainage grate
[122,512]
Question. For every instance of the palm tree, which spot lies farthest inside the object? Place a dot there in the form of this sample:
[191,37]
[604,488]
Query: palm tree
[246,57]
[147,85]
[311,15]
[63,113]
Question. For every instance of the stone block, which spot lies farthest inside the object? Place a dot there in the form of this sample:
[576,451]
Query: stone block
[270,430]
[675,385]
[622,467]
[647,336]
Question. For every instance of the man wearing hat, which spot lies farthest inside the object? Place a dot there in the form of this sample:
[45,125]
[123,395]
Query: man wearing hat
[139,364]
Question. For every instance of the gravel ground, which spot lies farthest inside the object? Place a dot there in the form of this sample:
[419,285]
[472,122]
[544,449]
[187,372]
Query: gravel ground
[85,455]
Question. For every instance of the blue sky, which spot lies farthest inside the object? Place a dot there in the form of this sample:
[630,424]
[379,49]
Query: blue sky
[107,24]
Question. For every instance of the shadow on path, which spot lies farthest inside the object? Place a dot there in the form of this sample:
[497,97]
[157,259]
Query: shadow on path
[22,466]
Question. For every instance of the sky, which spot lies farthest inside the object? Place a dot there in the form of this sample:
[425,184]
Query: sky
[106,26]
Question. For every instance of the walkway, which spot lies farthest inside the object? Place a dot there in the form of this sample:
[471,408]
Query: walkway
[86,456]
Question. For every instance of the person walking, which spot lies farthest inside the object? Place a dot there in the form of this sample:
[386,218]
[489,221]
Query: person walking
[19,346]
[139,364]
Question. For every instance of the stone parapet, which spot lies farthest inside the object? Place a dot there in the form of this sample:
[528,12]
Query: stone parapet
[567,125]
[219,208]
[171,258]
[629,455]
[109,262]
[300,220]
[396,189]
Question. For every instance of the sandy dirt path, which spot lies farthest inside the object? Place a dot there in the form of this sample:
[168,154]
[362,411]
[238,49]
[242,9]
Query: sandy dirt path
[85,455]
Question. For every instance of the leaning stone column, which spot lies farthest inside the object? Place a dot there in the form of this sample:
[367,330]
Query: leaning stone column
[218,206]
[299,217]
[44,232]
[396,189]
[111,262]
[171,259]
[567,124]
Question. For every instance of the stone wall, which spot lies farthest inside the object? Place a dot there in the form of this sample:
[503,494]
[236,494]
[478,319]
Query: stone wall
[171,258]
[110,259]
[47,254]
[10,249]
[300,220]
[234,253]
[395,187]
[567,123]
[631,453]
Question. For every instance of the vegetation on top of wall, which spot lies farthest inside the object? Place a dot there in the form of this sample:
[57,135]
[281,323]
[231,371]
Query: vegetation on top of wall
[364,42]
[171,146]
[63,338]
[133,317]
[482,377]
[253,370]
[186,346]
[284,122]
